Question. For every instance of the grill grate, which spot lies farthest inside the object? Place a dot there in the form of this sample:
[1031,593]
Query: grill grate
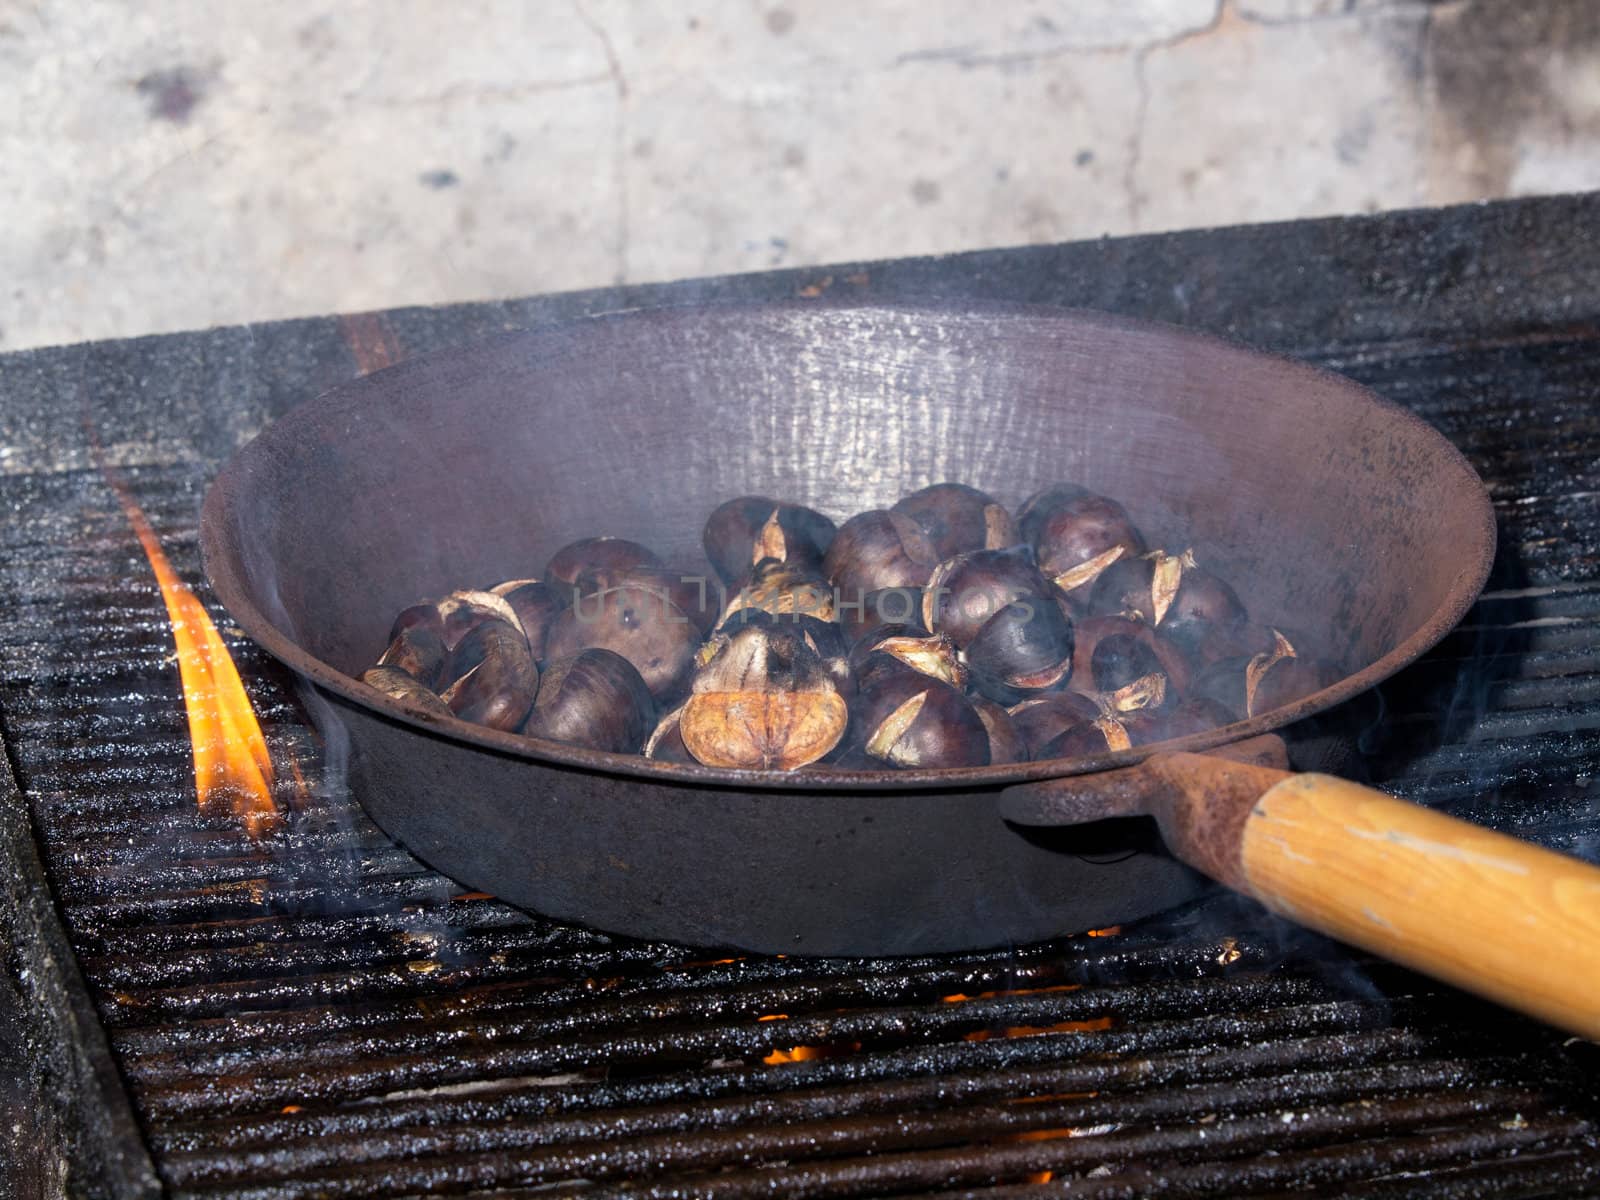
[317,1014]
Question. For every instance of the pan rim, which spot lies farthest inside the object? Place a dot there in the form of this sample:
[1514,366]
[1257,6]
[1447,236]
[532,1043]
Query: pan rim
[220,567]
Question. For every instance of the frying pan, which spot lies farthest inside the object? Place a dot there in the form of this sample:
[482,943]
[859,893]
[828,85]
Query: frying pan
[1329,509]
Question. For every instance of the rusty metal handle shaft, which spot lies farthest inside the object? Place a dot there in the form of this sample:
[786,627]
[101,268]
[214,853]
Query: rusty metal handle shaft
[1505,919]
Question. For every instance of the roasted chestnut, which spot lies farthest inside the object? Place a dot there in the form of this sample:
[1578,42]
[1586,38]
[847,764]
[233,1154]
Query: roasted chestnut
[1197,714]
[878,549]
[494,679]
[693,595]
[462,612]
[957,518]
[1024,650]
[1104,735]
[418,614]
[1006,744]
[1089,632]
[419,651]
[1247,687]
[744,531]
[1076,534]
[962,593]
[585,554]
[594,699]
[1184,601]
[822,638]
[913,720]
[1037,722]
[890,649]
[638,623]
[402,686]
[782,588]
[665,743]
[764,701]
[537,606]
[886,606]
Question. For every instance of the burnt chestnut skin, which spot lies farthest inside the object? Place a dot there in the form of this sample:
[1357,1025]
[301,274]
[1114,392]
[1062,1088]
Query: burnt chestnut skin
[537,606]
[1024,650]
[1039,721]
[1006,743]
[1203,607]
[891,649]
[419,651]
[957,518]
[913,720]
[743,531]
[594,699]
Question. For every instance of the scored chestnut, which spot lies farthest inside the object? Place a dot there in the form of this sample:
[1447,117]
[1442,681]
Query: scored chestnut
[878,549]
[573,559]
[1247,687]
[463,611]
[537,606]
[763,701]
[913,720]
[1024,650]
[891,649]
[402,686]
[494,678]
[1104,735]
[665,743]
[594,699]
[1186,602]
[1076,534]
[963,592]
[651,632]
[743,531]
[419,651]
[1037,722]
[1089,632]
[886,606]
[1006,743]
[957,518]
[782,588]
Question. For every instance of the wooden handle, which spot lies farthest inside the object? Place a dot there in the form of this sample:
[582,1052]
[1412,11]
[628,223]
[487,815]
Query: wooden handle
[1495,916]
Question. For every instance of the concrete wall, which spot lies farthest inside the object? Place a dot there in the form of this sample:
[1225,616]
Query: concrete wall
[178,164]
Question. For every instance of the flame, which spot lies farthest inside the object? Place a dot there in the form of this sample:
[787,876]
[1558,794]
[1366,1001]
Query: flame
[1108,931]
[232,767]
[1040,1177]
[1092,1025]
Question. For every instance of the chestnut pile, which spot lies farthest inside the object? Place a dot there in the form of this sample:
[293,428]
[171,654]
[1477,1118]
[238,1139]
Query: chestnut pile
[941,632]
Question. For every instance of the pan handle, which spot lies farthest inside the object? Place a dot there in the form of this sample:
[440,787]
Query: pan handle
[1503,918]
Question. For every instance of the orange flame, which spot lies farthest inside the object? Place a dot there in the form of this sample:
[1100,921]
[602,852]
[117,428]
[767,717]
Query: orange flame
[232,767]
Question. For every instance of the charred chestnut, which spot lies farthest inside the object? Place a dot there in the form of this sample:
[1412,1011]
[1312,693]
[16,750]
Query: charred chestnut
[1024,650]
[494,676]
[1038,722]
[402,686]
[744,531]
[462,612]
[1006,743]
[763,701]
[1170,591]
[878,549]
[891,649]
[957,518]
[594,699]
[638,623]
[537,606]
[419,651]
[418,614]
[913,720]
[1128,675]
[586,554]
[1076,534]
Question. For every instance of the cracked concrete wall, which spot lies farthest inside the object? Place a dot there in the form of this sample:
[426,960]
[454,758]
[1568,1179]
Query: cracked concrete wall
[171,164]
